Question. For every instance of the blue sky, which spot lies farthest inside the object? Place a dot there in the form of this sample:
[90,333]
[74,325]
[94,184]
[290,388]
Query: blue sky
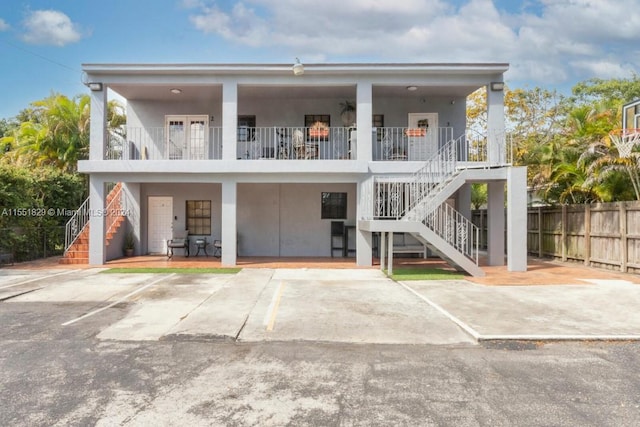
[549,43]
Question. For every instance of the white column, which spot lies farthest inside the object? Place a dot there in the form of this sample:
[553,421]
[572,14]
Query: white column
[390,255]
[364,252]
[97,253]
[98,125]
[495,223]
[229,120]
[364,112]
[382,248]
[229,230]
[517,219]
[495,127]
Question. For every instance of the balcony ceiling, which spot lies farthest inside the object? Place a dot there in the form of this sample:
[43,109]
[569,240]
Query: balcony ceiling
[163,92]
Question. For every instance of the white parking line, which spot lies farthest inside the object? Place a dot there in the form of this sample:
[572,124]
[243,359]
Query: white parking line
[36,279]
[272,311]
[130,294]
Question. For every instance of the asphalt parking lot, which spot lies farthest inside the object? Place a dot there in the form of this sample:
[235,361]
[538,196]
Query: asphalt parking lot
[313,347]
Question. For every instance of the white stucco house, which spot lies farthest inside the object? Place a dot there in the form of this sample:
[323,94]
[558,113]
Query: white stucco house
[270,158]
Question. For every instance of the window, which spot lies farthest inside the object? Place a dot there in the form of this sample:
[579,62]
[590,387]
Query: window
[199,217]
[334,205]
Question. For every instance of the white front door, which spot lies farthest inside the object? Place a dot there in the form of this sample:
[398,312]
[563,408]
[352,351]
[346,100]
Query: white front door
[422,147]
[160,223]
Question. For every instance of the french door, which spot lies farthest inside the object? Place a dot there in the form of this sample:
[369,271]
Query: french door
[187,137]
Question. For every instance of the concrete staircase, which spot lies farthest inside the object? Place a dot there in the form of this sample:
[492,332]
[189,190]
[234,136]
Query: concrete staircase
[77,251]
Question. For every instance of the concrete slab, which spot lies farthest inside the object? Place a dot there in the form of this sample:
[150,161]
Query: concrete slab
[356,306]
[602,310]
[87,285]
[224,314]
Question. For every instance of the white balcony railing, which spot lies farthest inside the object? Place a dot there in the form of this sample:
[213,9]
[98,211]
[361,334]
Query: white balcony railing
[156,144]
[303,143]
[412,144]
[296,143]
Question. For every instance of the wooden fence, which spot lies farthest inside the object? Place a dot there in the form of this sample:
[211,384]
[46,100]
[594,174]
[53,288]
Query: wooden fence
[605,235]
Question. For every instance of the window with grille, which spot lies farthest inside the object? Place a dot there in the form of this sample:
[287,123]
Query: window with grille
[199,217]
[334,205]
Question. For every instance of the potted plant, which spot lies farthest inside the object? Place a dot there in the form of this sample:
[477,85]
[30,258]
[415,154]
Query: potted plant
[129,244]
[348,113]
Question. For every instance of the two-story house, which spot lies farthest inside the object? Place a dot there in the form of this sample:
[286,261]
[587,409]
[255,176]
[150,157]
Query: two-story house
[278,160]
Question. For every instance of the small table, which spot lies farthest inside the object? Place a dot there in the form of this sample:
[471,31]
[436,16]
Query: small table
[201,243]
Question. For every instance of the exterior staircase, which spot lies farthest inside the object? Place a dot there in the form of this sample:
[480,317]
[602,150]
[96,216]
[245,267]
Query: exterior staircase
[77,228]
[417,205]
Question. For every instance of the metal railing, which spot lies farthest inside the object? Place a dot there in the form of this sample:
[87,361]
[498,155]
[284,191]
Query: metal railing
[155,143]
[412,144]
[455,229]
[400,197]
[296,143]
[493,148]
[76,224]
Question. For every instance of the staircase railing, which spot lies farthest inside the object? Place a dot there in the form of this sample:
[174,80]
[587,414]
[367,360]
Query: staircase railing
[455,229]
[76,224]
[114,208]
[398,198]
[434,175]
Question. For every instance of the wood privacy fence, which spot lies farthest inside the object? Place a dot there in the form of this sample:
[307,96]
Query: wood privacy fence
[605,235]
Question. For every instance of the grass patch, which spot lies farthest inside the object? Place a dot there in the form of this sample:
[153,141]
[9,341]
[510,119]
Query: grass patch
[403,274]
[173,270]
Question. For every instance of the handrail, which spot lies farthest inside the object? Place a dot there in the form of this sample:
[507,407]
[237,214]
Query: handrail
[76,224]
[114,207]
[457,230]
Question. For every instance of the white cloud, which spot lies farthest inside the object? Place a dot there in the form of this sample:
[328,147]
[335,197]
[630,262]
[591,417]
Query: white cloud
[3,25]
[551,43]
[50,27]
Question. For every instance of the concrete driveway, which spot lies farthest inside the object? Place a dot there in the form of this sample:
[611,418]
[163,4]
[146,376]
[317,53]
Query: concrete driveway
[355,306]
[332,305]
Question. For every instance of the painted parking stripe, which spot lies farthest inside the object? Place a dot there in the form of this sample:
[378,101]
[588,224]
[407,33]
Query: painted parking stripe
[24,282]
[272,312]
[130,294]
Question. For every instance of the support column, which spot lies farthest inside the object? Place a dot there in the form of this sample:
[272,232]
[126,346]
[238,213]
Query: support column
[364,239]
[390,255]
[495,127]
[229,120]
[98,125]
[229,231]
[496,223]
[364,93]
[97,252]
[517,219]
[383,249]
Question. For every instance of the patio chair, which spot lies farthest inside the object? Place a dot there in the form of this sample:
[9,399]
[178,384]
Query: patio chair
[217,248]
[179,241]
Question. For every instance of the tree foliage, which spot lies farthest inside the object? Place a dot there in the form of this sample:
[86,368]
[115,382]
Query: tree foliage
[564,140]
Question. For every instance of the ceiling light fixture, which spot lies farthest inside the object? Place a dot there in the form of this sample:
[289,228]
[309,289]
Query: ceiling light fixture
[298,68]
[175,91]
[412,88]
[95,86]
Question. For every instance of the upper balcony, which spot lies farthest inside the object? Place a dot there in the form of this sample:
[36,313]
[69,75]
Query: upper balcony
[197,142]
